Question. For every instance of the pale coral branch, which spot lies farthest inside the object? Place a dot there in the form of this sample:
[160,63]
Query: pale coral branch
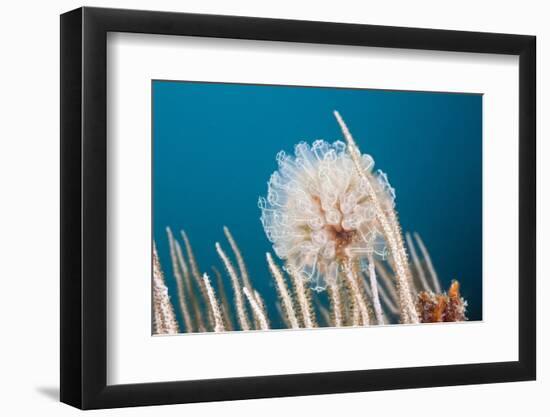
[262,305]
[428,259]
[191,256]
[256,309]
[326,315]
[223,297]
[283,292]
[163,312]
[240,261]
[408,310]
[183,266]
[303,300]
[390,305]
[241,312]
[336,303]
[282,314]
[394,223]
[356,317]
[375,297]
[196,273]
[157,320]
[419,270]
[347,301]
[356,292]
[388,281]
[199,324]
[179,283]
[388,302]
[244,277]
[214,305]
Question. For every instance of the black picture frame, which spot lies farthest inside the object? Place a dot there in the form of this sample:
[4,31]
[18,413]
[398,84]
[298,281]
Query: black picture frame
[84,207]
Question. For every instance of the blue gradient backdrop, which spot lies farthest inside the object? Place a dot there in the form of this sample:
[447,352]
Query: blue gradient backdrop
[214,148]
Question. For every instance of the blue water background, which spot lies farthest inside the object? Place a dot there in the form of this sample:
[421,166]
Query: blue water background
[214,148]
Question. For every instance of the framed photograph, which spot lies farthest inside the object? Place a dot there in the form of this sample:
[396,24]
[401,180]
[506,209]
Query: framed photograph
[257,208]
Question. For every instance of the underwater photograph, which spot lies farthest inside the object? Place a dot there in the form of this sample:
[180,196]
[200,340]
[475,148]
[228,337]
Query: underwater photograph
[297,207]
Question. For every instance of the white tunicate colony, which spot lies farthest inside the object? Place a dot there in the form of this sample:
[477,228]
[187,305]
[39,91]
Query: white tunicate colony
[318,212]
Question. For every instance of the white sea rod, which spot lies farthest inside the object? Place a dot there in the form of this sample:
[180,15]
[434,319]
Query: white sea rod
[283,292]
[237,291]
[214,305]
[164,318]
[256,309]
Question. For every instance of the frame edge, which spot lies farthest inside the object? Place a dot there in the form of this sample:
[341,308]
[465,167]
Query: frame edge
[528,208]
[70,215]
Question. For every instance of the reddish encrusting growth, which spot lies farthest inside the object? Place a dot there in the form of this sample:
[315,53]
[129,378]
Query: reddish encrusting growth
[436,308]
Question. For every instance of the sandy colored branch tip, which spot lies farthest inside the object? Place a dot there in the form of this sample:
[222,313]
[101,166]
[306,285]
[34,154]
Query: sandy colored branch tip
[241,311]
[303,299]
[257,310]
[214,305]
[375,296]
[176,265]
[164,318]
[356,292]
[240,260]
[283,292]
